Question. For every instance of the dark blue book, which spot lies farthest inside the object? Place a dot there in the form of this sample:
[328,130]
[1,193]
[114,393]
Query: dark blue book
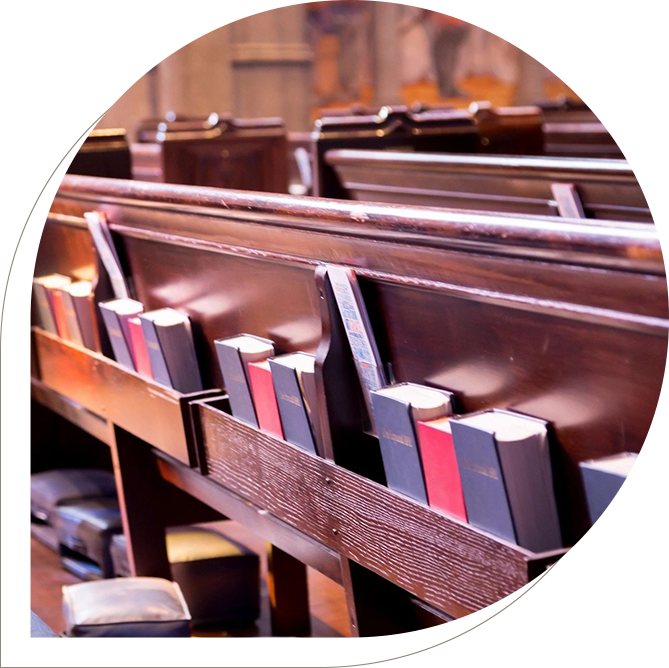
[234,354]
[174,333]
[156,357]
[628,499]
[291,376]
[507,480]
[396,410]
[116,314]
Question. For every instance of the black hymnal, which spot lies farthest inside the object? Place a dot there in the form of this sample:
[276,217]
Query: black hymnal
[506,475]
[396,409]
[292,376]
[233,355]
[116,313]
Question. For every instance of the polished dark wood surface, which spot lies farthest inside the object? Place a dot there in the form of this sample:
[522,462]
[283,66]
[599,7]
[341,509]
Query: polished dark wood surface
[607,129]
[607,189]
[220,151]
[105,152]
[566,321]
[481,129]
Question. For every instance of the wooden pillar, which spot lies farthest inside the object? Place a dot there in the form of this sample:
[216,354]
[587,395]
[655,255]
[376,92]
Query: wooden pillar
[387,54]
[288,594]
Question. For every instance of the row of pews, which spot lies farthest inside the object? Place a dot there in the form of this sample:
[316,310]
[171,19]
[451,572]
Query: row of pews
[516,280]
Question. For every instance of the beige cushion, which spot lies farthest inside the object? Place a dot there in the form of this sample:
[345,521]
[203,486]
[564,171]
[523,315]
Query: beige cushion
[126,607]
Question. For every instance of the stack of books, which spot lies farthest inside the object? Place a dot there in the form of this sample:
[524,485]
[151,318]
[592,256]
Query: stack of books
[491,469]
[65,307]
[276,394]
[156,344]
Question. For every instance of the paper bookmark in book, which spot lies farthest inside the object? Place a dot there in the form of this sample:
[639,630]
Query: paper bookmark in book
[99,229]
[358,331]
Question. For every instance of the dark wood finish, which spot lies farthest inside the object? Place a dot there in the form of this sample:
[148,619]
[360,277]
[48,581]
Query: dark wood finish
[247,154]
[105,152]
[75,413]
[606,129]
[514,130]
[139,484]
[288,594]
[566,321]
[146,409]
[606,189]
[275,531]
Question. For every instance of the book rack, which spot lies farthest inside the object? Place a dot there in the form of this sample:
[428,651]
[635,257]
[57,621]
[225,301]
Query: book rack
[503,313]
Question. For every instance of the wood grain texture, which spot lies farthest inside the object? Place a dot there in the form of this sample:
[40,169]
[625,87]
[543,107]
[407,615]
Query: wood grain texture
[448,564]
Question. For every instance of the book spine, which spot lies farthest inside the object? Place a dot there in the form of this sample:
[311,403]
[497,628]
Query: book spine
[358,332]
[59,313]
[139,348]
[264,399]
[483,487]
[399,450]
[294,419]
[310,395]
[236,383]
[608,504]
[178,349]
[84,307]
[44,308]
[156,358]
[123,321]
[117,338]
[97,225]
[71,318]
[440,468]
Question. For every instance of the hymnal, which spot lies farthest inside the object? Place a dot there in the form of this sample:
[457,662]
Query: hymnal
[264,398]
[174,333]
[290,374]
[507,480]
[138,344]
[59,313]
[628,499]
[99,229]
[41,290]
[73,329]
[159,369]
[81,295]
[234,354]
[440,467]
[397,409]
[116,314]
[358,332]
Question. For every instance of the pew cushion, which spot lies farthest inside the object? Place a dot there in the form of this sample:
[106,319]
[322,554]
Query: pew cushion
[126,607]
[85,528]
[50,489]
[219,579]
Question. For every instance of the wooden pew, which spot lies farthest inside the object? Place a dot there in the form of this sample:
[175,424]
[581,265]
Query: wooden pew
[105,152]
[482,129]
[221,151]
[600,189]
[606,129]
[567,322]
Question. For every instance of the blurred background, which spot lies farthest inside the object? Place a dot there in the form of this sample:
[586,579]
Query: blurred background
[295,62]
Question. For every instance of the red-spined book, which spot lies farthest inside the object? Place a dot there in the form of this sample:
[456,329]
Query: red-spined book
[139,350]
[59,314]
[264,398]
[440,467]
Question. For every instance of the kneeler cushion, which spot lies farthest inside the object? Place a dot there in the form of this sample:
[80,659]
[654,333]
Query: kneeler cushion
[219,578]
[126,608]
[50,489]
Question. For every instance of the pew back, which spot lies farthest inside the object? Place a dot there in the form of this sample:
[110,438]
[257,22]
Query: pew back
[606,189]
